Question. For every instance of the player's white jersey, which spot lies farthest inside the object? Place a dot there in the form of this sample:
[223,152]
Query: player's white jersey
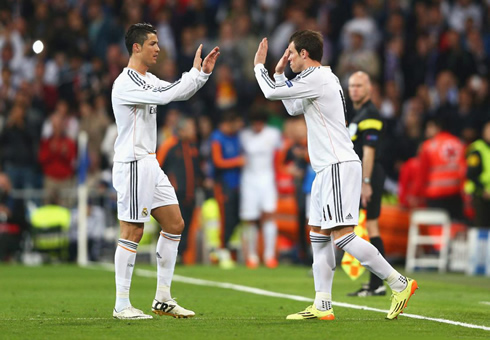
[317,93]
[134,100]
[259,149]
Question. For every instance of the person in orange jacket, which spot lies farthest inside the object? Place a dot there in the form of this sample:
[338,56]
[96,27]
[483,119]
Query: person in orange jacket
[442,169]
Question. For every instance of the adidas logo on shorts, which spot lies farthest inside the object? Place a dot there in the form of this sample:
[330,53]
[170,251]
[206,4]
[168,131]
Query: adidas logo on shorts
[349,217]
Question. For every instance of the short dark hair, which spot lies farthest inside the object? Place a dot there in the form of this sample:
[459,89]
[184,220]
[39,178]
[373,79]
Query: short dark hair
[309,40]
[138,33]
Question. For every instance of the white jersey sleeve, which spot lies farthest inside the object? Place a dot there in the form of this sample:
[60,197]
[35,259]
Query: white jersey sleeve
[316,93]
[134,100]
[159,92]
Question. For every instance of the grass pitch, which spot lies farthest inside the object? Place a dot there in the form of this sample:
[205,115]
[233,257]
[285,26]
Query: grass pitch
[68,302]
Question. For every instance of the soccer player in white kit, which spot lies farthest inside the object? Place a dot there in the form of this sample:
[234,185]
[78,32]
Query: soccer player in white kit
[142,187]
[258,193]
[336,190]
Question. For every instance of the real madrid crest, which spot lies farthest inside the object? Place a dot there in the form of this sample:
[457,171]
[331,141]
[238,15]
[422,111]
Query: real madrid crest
[144,213]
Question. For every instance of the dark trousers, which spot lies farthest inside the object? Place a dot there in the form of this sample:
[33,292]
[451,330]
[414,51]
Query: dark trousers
[228,201]
[186,210]
[482,212]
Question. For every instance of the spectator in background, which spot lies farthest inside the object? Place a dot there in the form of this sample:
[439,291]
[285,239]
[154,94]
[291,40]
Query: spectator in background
[442,169]
[18,151]
[227,161]
[94,122]
[461,12]
[12,220]
[478,173]
[68,121]
[366,132]
[57,156]
[362,24]
[178,156]
[357,57]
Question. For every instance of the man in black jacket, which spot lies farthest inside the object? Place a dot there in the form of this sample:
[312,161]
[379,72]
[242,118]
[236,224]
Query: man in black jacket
[366,128]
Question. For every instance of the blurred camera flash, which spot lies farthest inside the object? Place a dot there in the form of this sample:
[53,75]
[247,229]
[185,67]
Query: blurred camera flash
[38,46]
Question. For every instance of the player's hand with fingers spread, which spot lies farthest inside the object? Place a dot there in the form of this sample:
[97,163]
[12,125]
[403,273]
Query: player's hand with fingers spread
[210,60]
[281,64]
[261,54]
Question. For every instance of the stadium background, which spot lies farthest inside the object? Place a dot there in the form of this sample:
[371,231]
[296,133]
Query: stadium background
[426,59]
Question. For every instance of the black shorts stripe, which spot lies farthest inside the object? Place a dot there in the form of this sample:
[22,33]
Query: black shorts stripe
[346,240]
[340,194]
[337,197]
[133,191]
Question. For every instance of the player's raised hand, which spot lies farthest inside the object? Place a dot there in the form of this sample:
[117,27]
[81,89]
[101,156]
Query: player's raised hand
[281,64]
[197,58]
[210,60]
[261,54]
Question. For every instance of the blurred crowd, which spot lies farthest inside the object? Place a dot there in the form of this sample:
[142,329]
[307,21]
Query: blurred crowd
[427,59]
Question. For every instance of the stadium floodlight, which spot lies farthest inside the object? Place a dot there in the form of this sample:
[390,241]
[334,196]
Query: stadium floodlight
[38,46]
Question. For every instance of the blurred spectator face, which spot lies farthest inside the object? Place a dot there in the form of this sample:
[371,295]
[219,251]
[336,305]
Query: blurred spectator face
[453,39]
[257,125]
[356,41]
[464,98]
[431,130]
[187,129]
[444,82]
[358,10]
[57,121]
[5,185]
[242,25]
[486,132]
[7,53]
[6,76]
[172,117]
[205,126]
[62,108]
[359,87]
[226,33]
[422,45]
[85,110]
[16,117]
[298,130]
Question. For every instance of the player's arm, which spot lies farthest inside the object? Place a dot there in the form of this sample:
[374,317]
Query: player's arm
[137,91]
[368,156]
[224,163]
[281,89]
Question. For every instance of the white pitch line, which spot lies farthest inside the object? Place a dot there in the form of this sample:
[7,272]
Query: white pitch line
[485,303]
[258,291]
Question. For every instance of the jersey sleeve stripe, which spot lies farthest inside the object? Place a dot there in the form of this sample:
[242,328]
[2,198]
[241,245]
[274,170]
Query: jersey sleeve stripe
[166,88]
[134,77]
[267,79]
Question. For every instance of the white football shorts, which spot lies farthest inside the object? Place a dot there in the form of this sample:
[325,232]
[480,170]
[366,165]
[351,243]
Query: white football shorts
[335,195]
[257,198]
[141,186]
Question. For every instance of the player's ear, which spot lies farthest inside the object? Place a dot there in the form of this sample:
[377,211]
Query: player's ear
[304,54]
[136,48]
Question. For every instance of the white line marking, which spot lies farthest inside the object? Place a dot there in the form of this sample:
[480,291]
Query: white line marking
[258,291]
[485,302]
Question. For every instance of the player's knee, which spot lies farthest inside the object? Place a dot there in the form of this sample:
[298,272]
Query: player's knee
[176,227]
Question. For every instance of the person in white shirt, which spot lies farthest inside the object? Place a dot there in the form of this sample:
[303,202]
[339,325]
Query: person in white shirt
[258,193]
[336,191]
[142,187]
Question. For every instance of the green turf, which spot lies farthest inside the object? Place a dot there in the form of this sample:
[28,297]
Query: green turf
[67,302]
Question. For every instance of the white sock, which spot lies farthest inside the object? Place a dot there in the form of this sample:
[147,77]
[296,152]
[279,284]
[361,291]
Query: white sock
[323,269]
[397,281]
[369,257]
[270,237]
[251,236]
[166,253]
[124,259]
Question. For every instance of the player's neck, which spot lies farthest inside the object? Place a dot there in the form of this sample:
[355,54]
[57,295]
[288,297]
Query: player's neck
[137,65]
[311,63]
